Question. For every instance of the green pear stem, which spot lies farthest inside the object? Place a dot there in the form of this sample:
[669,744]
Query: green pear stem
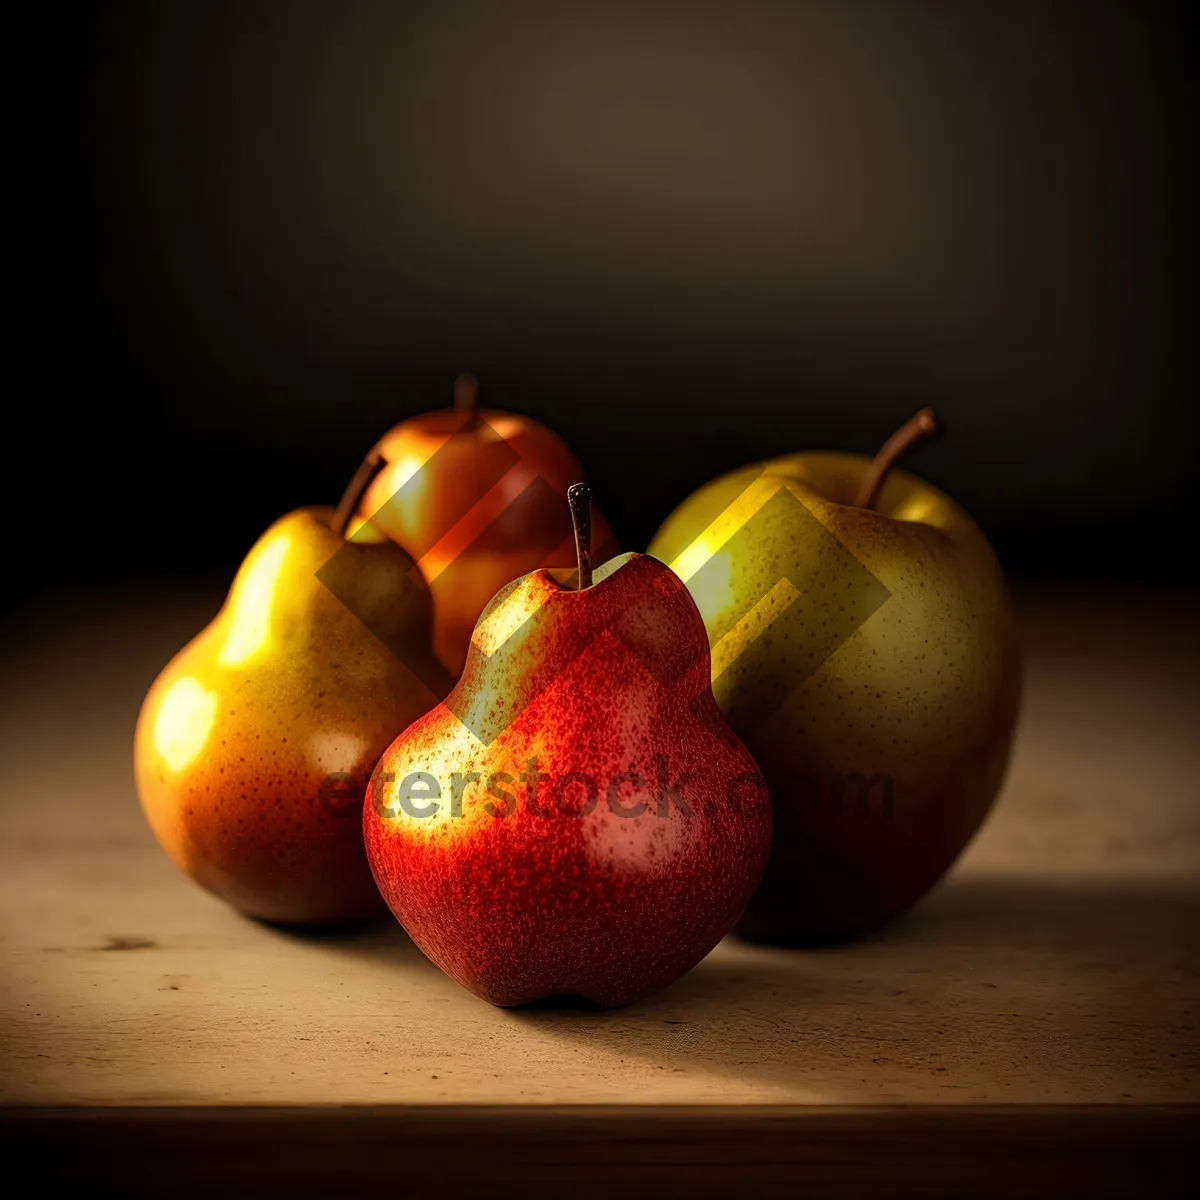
[466,394]
[918,428]
[356,489]
[579,498]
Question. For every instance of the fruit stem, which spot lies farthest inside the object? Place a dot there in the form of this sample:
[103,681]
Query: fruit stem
[466,393]
[356,489]
[579,497]
[918,428]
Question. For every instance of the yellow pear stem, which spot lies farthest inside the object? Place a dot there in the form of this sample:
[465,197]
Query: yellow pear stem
[579,498]
[918,428]
[356,489]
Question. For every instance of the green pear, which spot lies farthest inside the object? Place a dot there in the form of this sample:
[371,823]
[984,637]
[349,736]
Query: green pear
[864,649]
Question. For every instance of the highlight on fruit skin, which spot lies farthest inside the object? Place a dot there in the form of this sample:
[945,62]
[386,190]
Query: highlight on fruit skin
[575,818]
[183,722]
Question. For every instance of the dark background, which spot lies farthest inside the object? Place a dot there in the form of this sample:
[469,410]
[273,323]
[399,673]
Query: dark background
[685,235]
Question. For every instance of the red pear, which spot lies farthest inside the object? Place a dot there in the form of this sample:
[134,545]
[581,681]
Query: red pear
[576,818]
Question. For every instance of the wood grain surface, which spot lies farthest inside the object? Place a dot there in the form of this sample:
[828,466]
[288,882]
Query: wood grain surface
[1056,969]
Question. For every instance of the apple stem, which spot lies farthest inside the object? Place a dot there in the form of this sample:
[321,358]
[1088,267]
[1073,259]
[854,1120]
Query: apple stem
[918,428]
[356,489]
[579,497]
[466,393]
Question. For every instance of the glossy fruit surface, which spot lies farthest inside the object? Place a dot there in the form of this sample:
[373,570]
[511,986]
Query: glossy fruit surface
[475,496]
[868,658]
[575,818]
[254,744]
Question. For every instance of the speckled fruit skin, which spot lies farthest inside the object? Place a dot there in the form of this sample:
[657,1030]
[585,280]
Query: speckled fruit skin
[518,906]
[434,463]
[926,692]
[239,734]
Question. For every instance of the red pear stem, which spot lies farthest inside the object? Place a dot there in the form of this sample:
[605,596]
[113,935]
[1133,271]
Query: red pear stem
[356,489]
[579,497]
[918,428]
[466,395]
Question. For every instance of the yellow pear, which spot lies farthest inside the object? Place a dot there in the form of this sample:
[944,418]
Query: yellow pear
[255,744]
[864,649]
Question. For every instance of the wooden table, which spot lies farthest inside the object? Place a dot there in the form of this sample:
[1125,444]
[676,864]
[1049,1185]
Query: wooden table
[1032,1025]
